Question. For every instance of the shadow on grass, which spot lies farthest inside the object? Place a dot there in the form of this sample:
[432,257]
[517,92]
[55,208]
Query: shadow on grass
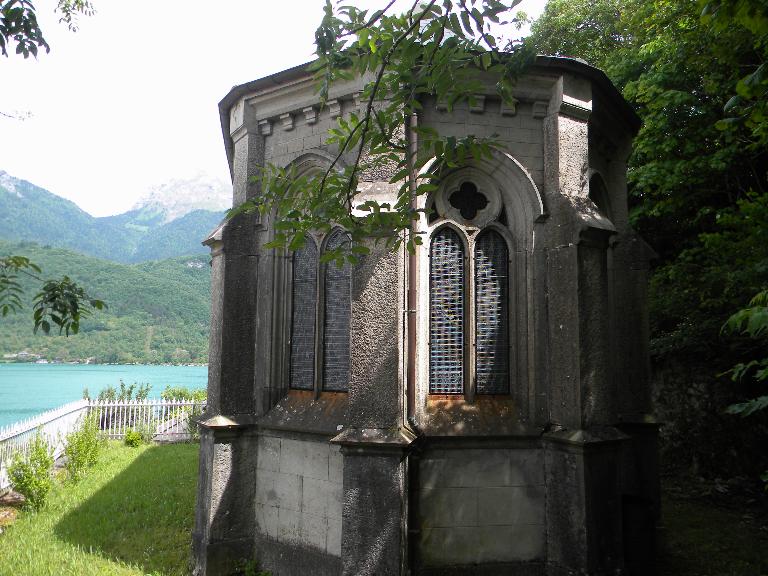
[144,515]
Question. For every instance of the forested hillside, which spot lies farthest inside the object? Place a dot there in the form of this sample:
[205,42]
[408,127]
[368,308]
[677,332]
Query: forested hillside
[150,231]
[157,311]
[698,184]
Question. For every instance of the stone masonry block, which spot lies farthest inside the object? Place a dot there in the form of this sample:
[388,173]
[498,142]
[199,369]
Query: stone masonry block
[333,539]
[531,150]
[511,505]
[279,150]
[304,458]
[518,136]
[336,501]
[265,488]
[449,507]
[286,121]
[292,456]
[313,530]
[335,465]
[431,472]
[269,454]
[316,462]
[265,127]
[534,164]
[527,467]
[482,131]
[508,108]
[475,545]
[267,520]
[371,472]
[295,145]
[528,122]
[480,468]
[288,527]
[317,497]
[288,490]
[282,490]
[478,104]
[310,114]
[312,141]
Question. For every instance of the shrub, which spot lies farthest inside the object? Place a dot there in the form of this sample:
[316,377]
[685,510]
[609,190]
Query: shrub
[118,419]
[198,396]
[125,393]
[250,568]
[147,431]
[133,438]
[193,428]
[31,476]
[184,393]
[82,447]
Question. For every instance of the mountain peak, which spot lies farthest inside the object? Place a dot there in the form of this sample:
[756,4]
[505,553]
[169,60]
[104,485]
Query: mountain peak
[9,183]
[180,196]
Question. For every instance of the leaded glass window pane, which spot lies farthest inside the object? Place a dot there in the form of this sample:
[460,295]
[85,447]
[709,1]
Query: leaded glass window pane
[338,304]
[491,314]
[446,327]
[304,313]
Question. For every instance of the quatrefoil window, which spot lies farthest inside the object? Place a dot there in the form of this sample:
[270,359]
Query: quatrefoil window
[467,200]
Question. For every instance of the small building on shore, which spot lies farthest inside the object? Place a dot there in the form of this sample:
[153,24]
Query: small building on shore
[480,407]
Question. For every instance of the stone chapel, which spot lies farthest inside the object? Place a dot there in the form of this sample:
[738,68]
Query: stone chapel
[481,407]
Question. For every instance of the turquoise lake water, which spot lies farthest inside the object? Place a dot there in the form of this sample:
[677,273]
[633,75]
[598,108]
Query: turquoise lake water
[28,389]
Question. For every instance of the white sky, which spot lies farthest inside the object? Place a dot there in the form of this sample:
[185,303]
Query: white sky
[130,100]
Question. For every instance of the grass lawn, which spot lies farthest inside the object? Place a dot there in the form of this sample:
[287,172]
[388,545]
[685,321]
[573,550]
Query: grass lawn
[701,539]
[131,515]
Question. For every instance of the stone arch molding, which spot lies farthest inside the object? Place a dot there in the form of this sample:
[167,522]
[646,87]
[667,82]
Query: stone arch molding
[315,161]
[519,195]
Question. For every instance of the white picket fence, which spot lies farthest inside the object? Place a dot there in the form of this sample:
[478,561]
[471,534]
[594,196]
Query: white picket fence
[166,418]
[162,419]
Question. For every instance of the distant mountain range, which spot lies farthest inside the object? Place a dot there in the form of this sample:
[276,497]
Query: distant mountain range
[170,221]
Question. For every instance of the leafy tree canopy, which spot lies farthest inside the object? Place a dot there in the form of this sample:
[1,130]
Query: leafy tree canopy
[694,71]
[19,27]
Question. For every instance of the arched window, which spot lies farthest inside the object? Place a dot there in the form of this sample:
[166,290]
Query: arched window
[304,316]
[320,319]
[446,330]
[491,313]
[468,292]
[337,296]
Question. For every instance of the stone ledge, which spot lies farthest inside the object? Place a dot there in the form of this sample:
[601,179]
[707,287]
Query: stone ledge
[226,422]
[592,438]
[380,438]
[300,411]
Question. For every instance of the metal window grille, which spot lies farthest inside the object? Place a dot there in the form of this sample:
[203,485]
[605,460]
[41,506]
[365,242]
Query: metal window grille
[338,304]
[491,314]
[446,329]
[304,313]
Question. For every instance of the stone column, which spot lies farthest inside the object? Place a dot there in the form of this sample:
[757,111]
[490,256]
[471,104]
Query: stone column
[584,524]
[374,536]
[583,453]
[225,512]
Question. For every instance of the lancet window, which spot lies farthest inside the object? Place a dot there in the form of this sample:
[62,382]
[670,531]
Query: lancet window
[320,318]
[469,277]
